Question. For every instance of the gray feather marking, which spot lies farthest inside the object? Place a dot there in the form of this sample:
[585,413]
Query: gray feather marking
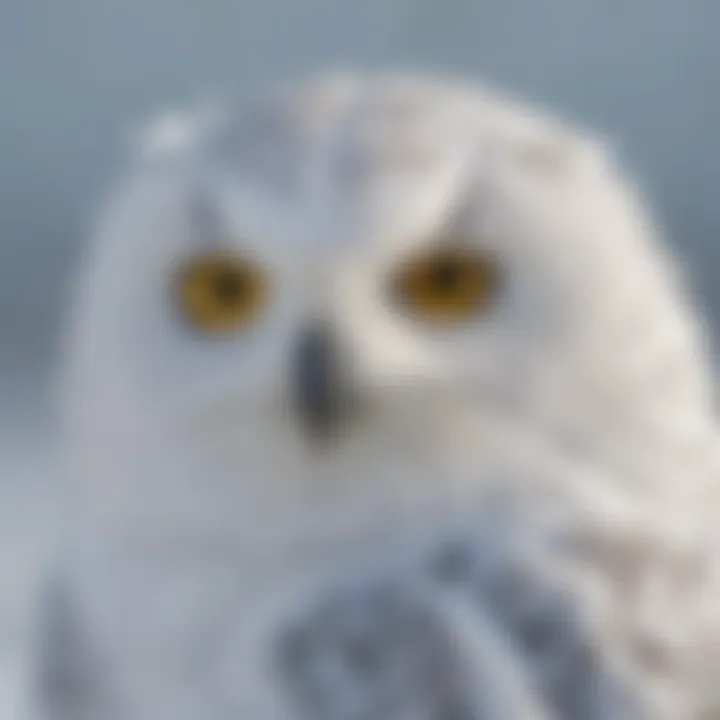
[69,673]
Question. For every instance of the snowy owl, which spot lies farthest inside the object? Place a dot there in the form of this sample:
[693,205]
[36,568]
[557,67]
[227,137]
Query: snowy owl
[385,402]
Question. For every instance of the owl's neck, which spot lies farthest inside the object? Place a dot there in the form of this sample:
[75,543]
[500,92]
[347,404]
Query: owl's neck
[249,500]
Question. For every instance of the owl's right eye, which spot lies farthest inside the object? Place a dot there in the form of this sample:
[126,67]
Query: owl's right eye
[221,292]
[447,286]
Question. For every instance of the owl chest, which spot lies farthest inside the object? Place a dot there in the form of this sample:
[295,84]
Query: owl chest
[171,636]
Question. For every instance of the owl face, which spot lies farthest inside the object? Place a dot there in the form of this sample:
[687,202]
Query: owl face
[350,278]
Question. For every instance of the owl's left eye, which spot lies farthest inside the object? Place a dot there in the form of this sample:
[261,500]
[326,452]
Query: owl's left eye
[446,286]
[222,292]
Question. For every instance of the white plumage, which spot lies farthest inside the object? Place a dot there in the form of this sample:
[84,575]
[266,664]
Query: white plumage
[514,517]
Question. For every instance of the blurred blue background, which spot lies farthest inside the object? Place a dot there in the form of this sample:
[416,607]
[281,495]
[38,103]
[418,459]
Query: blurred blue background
[76,76]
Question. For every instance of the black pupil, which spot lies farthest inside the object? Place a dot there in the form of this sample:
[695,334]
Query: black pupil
[230,286]
[446,276]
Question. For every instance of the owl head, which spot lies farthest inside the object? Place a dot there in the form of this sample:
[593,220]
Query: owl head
[367,267]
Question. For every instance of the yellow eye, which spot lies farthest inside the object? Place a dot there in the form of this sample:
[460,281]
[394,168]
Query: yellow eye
[447,286]
[221,292]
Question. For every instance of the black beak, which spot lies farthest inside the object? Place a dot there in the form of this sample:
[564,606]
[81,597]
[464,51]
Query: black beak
[320,400]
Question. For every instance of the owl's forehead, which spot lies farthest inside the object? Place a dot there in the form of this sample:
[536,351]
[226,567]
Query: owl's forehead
[350,162]
[337,163]
[346,132]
